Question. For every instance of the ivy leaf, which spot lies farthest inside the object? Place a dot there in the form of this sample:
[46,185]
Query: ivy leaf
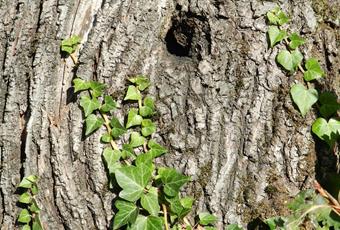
[97,88]
[133,94]
[109,105]
[295,41]
[133,118]
[156,149]
[34,206]
[233,227]
[37,224]
[277,17]
[148,108]
[141,82]
[327,131]
[24,216]
[147,223]
[289,61]
[106,138]
[136,140]
[127,213]
[111,158]
[329,104]
[80,85]
[28,181]
[117,128]
[181,207]
[149,201]
[148,127]
[89,105]
[132,180]
[206,218]
[93,123]
[314,71]
[26,227]
[303,98]
[144,159]
[275,35]
[69,45]
[34,189]
[25,198]
[128,151]
[274,223]
[172,180]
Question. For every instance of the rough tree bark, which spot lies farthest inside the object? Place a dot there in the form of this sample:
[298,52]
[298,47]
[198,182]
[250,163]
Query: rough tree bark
[224,106]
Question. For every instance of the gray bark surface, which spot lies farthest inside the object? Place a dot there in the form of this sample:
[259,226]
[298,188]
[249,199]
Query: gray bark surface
[224,106]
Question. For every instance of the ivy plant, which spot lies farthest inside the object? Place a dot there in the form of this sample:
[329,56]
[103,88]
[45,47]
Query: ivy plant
[321,209]
[69,46]
[327,126]
[149,196]
[29,216]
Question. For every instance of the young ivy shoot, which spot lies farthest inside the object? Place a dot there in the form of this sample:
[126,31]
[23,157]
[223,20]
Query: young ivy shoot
[149,196]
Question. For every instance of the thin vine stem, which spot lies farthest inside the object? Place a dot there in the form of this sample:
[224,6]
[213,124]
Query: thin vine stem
[165,217]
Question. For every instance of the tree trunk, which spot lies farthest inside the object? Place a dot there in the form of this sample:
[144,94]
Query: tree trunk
[224,107]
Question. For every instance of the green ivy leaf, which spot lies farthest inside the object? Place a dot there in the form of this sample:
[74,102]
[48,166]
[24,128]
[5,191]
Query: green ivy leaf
[295,41]
[127,213]
[80,85]
[34,206]
[144,159]
[34,189]
[148,108]
[149,201]
[128,151]
[172,180]
[92,124]
[209,228]
[329,104]
[274,223]
[233,227]
[106,138]
[133,94]
[314,71]
[89,105]
[28,181]
[156,149]
[37,224]
[303,98]
[136,140]
[275,35]
[69,45]
[97,88]
[132,180]
[117,128]
[25,198]
[26,227]
[109,105]
[24,216]
[133,118]
[148,127]
[111,158]
[147,223]
[277,17]
[180,207]
[141,82]
[327,131]
[289,61]
[206,218]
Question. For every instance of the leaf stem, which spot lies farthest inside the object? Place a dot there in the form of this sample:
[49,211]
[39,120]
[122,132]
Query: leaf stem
[165,217]
[74,58]
[301,69]
[108,128]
